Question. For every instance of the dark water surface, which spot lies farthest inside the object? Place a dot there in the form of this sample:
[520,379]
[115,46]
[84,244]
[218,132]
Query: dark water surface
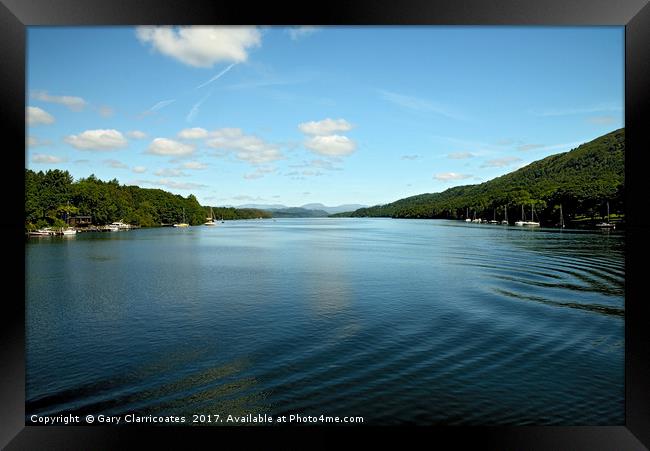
[398,321]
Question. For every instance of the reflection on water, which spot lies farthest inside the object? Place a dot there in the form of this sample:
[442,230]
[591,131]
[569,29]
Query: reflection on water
[399,321]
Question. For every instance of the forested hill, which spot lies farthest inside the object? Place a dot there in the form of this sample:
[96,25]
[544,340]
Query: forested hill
[581,180]
[53,196]
[297,212]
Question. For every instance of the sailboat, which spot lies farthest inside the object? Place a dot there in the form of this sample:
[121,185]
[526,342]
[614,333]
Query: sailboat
[182,224]
[210,220]
[505,211]
[523,221]
[475,219]
[561,218]
[606,225]
[467,216]
[494,219]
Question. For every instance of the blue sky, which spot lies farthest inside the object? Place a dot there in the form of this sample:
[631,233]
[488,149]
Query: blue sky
[239,115]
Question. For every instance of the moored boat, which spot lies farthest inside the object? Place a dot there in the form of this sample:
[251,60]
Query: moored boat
[523,222]
[182,224]
[210,221]
[606,225]
[42,232]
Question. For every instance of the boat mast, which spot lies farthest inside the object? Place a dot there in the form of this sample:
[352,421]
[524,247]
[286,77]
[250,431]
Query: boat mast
[607,212]
[561,217]
[532,212]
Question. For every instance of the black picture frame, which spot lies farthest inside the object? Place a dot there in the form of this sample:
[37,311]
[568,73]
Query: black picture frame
[16,15]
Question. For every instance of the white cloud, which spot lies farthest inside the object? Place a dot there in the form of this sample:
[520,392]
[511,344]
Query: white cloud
[311,173]
[193,133]
[35,116]
[169,147]
[136,134]
[115,164]
[411,157]
[202,46]
[460,155]
[500,162]
[602,120]
[325,127]
[194,165]
[170,172]
[580,110]
[421,105]
[97,140]
[331,145]
[297,33]
[318,164]
[178,185]
[450,176]
[33,141]
[46,159]
[105,111]
[260,172]
[248,148]
[241,197]
[139,169]
[72,102]
[525,147]
[169,184]
[324,164]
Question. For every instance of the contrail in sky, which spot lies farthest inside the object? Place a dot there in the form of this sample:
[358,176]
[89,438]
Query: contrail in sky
[195,109]
[161,104]
[216,77]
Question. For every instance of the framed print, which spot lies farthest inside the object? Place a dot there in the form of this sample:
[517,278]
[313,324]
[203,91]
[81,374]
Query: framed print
[378,218]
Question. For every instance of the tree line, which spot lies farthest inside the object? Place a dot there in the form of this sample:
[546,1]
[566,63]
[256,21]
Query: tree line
[52,197]
[582,181]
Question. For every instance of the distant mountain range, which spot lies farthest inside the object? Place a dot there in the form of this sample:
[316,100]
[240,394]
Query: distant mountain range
[322,210]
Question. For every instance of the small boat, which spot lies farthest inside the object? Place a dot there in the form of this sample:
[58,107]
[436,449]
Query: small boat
[111,228]
[210,221]
[494,220]
[523,221]
[477,220]
[467,216]
[505,221]
[120,225]
[68,231]
[182,224]
[606,225]
[42,232]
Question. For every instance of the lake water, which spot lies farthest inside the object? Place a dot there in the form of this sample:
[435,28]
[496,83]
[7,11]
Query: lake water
[398,321]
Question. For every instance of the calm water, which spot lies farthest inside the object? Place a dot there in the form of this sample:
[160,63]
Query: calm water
[398,321]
